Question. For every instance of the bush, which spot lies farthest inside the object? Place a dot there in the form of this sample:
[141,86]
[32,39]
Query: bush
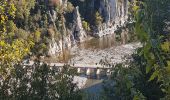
[86,26]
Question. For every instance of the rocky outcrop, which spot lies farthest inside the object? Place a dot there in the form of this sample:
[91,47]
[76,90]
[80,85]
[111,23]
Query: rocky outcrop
[115,14]
[78,32]
[55,47]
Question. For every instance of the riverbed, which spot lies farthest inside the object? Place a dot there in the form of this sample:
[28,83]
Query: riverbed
[94,50]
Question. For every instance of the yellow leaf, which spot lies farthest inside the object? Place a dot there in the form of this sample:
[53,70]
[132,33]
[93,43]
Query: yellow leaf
[166,47]
[2,43]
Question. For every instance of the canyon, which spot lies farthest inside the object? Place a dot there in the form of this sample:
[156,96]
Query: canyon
[113,12]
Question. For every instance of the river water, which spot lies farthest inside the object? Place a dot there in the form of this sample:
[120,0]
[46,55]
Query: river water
[87,47]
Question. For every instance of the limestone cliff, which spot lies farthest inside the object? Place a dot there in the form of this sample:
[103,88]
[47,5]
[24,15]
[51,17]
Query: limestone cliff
[113,12]
[78,31]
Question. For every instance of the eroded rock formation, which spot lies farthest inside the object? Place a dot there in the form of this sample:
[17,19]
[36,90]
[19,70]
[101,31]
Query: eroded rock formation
[78,31]
[115,14]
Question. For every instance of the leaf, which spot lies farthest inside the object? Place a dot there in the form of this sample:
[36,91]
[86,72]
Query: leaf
[164,90]
[136,97]
[2,43]
[135,8]
[168,62]
[154,75]
[146,49]
[148,69]
[168,67]
[165,47]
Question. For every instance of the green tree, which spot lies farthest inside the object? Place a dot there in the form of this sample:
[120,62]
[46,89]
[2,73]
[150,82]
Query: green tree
[86,25]
[98,19]
[151,27]
[40,82]
[150,89]
[149,73]
[23,8]
[121,86]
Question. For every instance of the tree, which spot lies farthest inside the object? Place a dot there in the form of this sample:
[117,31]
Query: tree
[7,10]
[23,8]
[98,19]
[12,50]
[70,7]
[40,82]
[86,25]
[151,27]
[150,89]
[149,73]
[121,86]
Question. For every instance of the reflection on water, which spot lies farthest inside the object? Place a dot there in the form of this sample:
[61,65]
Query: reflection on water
[105,41]
[99,43]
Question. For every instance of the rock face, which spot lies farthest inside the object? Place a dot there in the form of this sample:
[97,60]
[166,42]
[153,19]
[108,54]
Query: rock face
[55,47]
[115,14]
[78,32]
[114,11]
[76,35]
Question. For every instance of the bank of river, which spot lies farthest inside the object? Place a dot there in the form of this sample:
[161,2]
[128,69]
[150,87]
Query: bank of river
[93,50]
[115,54]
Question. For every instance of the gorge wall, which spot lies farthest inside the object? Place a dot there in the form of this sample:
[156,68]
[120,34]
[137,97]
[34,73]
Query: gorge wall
[114,14]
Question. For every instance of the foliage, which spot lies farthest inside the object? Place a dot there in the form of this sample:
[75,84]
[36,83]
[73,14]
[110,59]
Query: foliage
[98,19]
[23,8]
[12,48]
[151,27]
[150,89]
[121,85]
[7,10]
[132,82]
[40,82]
[86,25]
[70,7]
[12,53]
[37,35]
[148,75]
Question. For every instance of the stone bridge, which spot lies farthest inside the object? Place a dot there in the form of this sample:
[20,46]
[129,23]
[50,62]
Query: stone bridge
[89,69]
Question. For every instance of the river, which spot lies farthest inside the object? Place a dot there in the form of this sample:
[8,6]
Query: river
[82,52]
[92,51]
